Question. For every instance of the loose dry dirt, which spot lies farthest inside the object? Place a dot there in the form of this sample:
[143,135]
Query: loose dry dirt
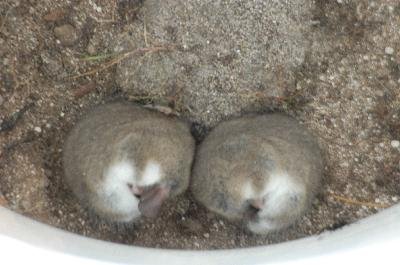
[57,60]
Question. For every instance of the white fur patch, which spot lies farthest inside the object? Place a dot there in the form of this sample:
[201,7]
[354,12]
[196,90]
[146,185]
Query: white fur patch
[279,189]
[277,193]
[116,191]
[261,227]
[248,191]
[120,171]
[151,174]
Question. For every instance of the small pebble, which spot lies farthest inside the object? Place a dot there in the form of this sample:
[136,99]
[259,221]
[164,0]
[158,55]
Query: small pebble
[192,226]
[182,206]
[37,129]
[395,144]
[206,235]
[1,100]
[91,49]
[389,50]
[55,15]
[66,34]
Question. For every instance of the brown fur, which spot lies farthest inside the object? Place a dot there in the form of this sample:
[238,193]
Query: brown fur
[112,131]
[252,147]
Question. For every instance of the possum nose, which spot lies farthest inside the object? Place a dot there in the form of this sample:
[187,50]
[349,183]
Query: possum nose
[257,204]
[137,191]
[254,207]
[150,198]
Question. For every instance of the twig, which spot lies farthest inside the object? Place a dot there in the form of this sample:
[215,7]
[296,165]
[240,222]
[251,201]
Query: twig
[9,123]
[55,15]
[114,8]
[145,34]
[123,56]
[163,109]
[84,90]
[360,203]
[149,98]
[98,57]
[100,21]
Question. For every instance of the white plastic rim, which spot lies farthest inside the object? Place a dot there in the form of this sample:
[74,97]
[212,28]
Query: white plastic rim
[373,240]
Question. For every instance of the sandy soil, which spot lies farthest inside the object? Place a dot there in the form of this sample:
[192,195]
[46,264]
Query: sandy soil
[57,61]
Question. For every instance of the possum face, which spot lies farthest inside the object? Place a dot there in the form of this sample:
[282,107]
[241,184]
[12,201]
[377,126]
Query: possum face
[126,194]
[279,203]
[242,180]
[263,203]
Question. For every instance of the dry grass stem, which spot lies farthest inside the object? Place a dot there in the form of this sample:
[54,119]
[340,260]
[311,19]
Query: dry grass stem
[359,203]
[123,56]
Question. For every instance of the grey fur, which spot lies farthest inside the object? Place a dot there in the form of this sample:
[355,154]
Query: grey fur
[112,131]
[252,147]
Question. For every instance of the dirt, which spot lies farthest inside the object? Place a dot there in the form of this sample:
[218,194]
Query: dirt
[58,60]
[224,57]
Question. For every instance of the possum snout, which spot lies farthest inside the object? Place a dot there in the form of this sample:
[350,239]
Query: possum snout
[151,201]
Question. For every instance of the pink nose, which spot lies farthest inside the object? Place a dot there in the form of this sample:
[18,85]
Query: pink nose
[257,203]
[137,191]
[150,198]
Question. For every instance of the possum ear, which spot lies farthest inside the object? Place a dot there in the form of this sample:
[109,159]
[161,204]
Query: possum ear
[151,201]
